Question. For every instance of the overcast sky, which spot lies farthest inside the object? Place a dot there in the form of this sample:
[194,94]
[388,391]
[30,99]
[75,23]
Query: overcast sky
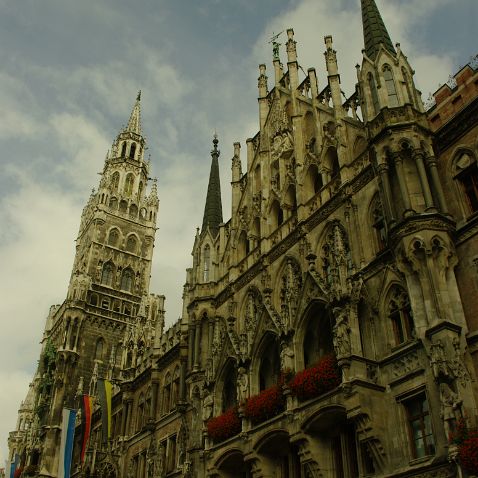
[69,77]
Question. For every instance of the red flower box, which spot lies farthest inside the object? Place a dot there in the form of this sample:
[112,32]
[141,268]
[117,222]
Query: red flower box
[224,426]
[316,380]
[18,472]
[267,404]
[468,454]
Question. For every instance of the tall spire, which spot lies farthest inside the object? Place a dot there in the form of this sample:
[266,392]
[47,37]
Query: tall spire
[134,123]
[213,208]
[374,30]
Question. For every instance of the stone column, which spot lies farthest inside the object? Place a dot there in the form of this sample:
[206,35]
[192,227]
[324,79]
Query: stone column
[418,156]
[197,339]
[387,191]
[402,182]
[124,417]
[191,346]
[154,400]
[432,167]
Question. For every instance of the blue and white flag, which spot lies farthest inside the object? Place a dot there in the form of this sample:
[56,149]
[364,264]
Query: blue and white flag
[66,444]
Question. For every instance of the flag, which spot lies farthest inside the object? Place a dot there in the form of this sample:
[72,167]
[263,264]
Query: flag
[105,391]
[66,443]
[14,465]
[86,412]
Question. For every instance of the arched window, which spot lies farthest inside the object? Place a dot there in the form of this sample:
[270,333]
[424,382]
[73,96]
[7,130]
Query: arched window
[108,273]
[113,203]
[131,244]
[466,173]
[313,181]
[133,210]
[128,185]
[132,150]
[229,389]
[206,262]
[113,237]
[100,349]
[73,335]
[175,388]
[269,368]
[166,394]
[127,280]
[243,245]
[94,299]
[291,199]
[318,336]
[400,314]
[140,417]
[115,181]
[123,149]
[378,223]
[276,215]
[257,178]
[408,86]
[123,207]
[373,94]
[390,85]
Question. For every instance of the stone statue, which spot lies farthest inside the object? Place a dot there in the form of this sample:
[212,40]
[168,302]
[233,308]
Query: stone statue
[341,334]
[207,405]
[286,357]
[450,407]
[438,361]
[242,385]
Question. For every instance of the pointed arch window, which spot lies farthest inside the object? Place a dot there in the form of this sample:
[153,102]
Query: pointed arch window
[373,93]
[131,244]
[269,369]
[132,150]
[123,149]
[400,314]
[115,181]
[128,186]
[139,421]
[113,238]
[166,394]
[175,388]
[108,273]
[100,349]
[206,263]
[467,175]
[390,85]
[378,223]
[127,280]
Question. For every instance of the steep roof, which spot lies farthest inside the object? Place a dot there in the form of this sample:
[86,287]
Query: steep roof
[213,207]
[374,30]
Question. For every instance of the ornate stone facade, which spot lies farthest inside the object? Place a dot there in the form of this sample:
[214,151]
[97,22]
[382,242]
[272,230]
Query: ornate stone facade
[333,316]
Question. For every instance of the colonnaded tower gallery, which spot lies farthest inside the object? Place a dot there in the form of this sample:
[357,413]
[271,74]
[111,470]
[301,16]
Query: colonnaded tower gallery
[329,327]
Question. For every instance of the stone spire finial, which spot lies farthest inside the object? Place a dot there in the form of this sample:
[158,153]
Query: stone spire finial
[213,208]
[134,123]
[374,31]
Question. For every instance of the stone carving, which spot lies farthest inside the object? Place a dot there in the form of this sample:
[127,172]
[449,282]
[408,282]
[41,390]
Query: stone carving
[207,406]
[242,385]
[451,407]
[438,361]
[282,145]
[286,356]
[405,364]
[291,284]
[341,334]
[279,120]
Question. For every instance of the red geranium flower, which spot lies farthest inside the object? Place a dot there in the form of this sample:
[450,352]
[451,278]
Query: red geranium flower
[316,380]
[267,404]
[468,454]
[224,426]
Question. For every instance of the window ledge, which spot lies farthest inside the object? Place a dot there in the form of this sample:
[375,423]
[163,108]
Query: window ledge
[421,460]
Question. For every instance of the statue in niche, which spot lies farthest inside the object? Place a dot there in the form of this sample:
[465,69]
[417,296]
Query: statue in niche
[341,334]
[242,385]
[207,406]
[286,357]
[438,361]
[451,408]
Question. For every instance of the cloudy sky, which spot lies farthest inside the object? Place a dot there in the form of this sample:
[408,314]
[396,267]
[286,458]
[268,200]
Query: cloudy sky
[70,73]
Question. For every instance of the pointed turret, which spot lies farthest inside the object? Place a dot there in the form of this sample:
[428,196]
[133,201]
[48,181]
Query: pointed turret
[134,123]
[213,208]
[374,30]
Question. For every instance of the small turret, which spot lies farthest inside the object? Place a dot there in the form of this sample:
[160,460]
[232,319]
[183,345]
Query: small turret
[292,65]
[333,75]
